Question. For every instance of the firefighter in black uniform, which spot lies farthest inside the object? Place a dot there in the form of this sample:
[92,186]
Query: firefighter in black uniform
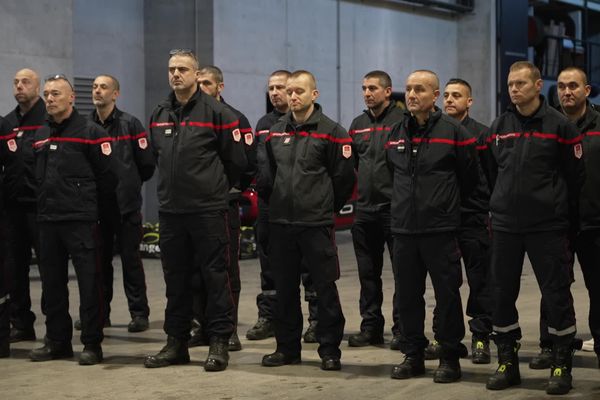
[434,164]
[16,153]
[73,167]
[266,299]
[211,82]
[199,151]
[473,236]
[309,175]
[4,295]
[538,174]
[120,213]
[573,91]
[371,230]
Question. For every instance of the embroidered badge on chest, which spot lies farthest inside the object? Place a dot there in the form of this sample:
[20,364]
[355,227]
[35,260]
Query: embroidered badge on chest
[19,134]
[12,145]
[237,136]
[106,148]
[248,138]
[347,151]
[143,143]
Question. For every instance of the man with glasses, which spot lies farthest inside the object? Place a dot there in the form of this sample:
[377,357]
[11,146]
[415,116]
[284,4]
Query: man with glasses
[200,154]
[120,213]
[73,168]
[16,155]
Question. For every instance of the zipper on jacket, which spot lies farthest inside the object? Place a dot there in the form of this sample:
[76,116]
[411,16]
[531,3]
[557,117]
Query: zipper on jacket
[176,128]
[414,158]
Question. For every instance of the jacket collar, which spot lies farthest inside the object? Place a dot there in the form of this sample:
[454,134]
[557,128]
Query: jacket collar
[383,114]
[114,115]
[539,114]
[312,120]
[38,108]
[410,123]
[590,119]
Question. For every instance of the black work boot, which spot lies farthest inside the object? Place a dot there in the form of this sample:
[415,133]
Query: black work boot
[261,330]
[543,360]
[138,324]
[175,352]
[91,355]
[433,350]
[234,342]
[218,354]
[365,338]
[278,359]
[480,350]
[448,371]
[310,336]
[4,348]
[52,350]
[507,374]
[395,343]
[413,365]
[561,381]
[21,335]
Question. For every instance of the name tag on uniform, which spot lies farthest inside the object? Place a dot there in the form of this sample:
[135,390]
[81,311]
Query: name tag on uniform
[168,132]
[53,147]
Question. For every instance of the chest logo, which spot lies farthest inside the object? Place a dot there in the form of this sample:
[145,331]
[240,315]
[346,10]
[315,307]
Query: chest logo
[53,147]
[143,143]
[287,140]
[248,138]
[578,150]
[237,136]
[19,134]
[168,132]
[12,145]
[106,149]
[346,151]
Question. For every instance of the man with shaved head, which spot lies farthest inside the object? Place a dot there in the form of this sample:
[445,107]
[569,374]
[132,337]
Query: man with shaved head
[538,168]
[73,169]
[120,213]
[307,177]
[16,157]
[433,163]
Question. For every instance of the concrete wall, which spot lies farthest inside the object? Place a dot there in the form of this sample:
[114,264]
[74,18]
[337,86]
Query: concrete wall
[108,37]
[35,35]
[251,39]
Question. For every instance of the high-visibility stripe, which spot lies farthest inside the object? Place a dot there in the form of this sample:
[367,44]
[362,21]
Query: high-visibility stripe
[4,299]
[562,332]
[505,329]
[40,143]
[315,135]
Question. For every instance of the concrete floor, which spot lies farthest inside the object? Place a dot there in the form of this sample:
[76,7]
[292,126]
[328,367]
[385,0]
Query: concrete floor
[365,371]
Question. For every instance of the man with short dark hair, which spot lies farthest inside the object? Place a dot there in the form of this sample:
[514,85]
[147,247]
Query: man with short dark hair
[16,157]
[308,176]
[200,155]
[266,299]
[371,230]
[120,213]
[573,92]
[73,168]
[536,154]
[210,79]
[473,235]
[433,162]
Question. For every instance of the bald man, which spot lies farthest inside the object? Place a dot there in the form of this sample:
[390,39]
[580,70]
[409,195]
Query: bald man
[433,162]
[16,158]
[307,177]
[73,168]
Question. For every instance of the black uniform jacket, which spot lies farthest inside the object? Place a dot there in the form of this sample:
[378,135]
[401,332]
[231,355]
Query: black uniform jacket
[263,126]
[73,166]
[310,170]
[16,154]
[432,168]
[199,152]
[537,165]
[133,159]
[369,136]
[249,147]
[475,208]
[589,203]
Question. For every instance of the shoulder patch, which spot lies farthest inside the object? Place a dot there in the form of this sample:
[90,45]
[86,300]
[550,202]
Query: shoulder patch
[578,150]
[249,138]
[143,143]
[237,136]
[12,145]
[346,151]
